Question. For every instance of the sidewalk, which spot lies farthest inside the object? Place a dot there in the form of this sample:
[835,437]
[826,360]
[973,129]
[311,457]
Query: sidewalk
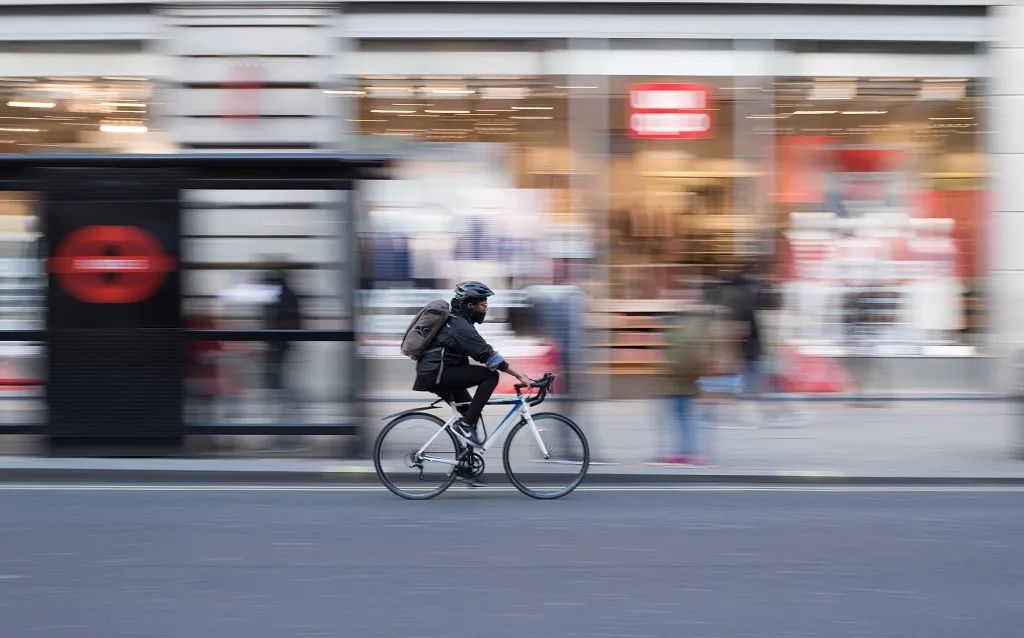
[829,442]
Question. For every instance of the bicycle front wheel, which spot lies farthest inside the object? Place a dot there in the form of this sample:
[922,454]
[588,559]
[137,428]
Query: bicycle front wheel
[415,457]
[550,475]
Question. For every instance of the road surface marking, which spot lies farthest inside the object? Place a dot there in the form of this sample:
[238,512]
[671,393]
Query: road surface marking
[72,487]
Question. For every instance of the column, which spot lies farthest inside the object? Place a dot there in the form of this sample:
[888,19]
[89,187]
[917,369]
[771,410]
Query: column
[1006,226]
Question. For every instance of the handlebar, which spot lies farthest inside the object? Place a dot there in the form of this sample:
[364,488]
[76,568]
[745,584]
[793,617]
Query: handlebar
[543,384]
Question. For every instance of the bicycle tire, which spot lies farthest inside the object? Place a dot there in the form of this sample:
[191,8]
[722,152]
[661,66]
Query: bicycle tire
[382,475]
[584,464]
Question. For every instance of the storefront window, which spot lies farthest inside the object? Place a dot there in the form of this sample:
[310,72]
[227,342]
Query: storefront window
[482,192]
[880,199]
[680,197]
[77,114]
[22,305]
[484,176]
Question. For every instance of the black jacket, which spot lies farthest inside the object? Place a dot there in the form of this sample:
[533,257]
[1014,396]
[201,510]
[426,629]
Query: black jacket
[458,342]
[741,296]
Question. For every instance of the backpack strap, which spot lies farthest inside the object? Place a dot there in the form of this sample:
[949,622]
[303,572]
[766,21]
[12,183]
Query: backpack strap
[440,369]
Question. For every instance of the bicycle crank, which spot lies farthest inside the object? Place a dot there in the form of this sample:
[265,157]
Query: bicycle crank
[470,466]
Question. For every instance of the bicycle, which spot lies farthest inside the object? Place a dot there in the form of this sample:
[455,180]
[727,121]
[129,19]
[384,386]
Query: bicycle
[418,456]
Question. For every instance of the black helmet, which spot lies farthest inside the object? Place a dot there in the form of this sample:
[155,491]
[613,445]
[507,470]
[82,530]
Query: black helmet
[472,291]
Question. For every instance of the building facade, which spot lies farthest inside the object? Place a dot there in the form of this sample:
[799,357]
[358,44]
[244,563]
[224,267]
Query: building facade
[863,153]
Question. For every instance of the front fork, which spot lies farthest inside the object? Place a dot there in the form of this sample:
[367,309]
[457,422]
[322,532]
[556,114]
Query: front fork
[536,435]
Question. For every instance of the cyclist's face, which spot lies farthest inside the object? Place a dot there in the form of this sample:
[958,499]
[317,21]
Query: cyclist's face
[479,311]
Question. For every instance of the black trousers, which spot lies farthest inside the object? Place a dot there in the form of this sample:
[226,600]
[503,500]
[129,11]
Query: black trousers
[454,382]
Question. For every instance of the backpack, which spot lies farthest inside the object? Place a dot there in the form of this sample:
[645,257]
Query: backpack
[424,327]
[690,349]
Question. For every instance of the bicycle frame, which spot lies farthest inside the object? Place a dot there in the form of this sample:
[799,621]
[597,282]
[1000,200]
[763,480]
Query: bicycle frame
[520,407]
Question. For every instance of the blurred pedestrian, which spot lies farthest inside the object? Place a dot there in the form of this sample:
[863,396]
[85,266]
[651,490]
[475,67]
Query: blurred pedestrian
[283,312]
[740,296]
[690,356]
[746,299]
[559,310]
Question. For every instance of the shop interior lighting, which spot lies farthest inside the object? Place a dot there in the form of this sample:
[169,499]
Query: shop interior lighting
[577,87]
[533,108]
[815,112]
[344,92]
[390,90]
[123,128]
[32,104]
[865,112]
[833,91]
[128,105]
[447,111]
[531,117]
[366,120]
[416,115]
[944,91]
[765,116]
[946,119]
[19,130]
[504,93]
[448,90]
[941,80]
[392,111]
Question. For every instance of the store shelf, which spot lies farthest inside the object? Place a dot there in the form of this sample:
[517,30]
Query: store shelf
[633,324]
[643,326]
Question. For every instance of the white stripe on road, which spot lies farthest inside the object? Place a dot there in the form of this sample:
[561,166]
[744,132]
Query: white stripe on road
[56,487]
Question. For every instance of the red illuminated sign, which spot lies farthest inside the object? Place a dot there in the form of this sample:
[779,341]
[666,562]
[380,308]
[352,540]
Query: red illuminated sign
[111,264]
[669,111]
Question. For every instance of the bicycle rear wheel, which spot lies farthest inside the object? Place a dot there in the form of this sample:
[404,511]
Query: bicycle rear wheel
[409,469]
[567,460]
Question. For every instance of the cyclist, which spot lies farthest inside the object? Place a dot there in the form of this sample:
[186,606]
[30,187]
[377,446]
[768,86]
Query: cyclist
[445,369]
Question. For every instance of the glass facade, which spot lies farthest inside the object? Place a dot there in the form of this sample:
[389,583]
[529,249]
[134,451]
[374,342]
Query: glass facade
[857,201]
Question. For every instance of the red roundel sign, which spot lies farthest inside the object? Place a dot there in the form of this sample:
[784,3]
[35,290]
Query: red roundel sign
[111,264]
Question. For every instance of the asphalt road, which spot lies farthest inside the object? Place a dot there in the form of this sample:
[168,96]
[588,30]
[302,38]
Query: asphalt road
[700,563]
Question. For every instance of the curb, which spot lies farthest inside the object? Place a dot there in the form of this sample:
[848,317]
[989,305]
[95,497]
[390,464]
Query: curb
[106,475]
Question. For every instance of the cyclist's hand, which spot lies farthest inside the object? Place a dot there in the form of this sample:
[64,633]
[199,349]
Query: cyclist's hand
[525,380]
